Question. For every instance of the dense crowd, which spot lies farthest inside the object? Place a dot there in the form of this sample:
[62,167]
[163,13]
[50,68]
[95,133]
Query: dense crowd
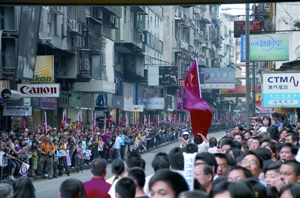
[261,162]
[54,152]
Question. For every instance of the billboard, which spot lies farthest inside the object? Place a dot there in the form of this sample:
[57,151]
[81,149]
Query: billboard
[218,78]
[238,91]
[155,103]
[240,26]
[28,41]
[44,68]
[269,47]
[162,76]
[39,90]
[281,89]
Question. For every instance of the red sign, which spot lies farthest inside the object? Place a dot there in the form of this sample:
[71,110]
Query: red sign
[181,82]
[240,26]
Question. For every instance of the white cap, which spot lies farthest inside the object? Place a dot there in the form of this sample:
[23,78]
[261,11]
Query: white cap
[185,133]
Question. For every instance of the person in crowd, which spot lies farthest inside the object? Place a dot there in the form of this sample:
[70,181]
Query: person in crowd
[266,124]
[213,143]
[184,140]
[23,188]
[238,173]
[193,194]
[222,162]
[6,190]
[231,190]
[290,191]
[287,151]
[117,169]
[239,137]
[47,151]
[204,174]
[98,169]
[167,183]
[72,188]
[62,160]
[117,147]
[79,157]
[176,159]
[138,175]
[125,188]
[272,176]
[290,172]
[254,144]
[226,144]
[277,123]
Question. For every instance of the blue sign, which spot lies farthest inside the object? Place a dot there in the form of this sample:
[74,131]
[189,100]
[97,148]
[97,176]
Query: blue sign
[243,49]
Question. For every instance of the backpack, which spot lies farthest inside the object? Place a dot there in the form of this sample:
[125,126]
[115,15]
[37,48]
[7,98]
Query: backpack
[110,142]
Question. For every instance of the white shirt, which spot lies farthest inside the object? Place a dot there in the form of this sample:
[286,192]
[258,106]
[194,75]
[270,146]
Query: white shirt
[100,146]
[297,158]
[117,144]
[146,186]
[112,190]
[2,158]
[262,129]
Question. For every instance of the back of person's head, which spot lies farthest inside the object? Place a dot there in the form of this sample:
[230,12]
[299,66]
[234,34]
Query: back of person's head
[23,188]
[133,159]
[72,188]
[138,175]
[117,167]
[6,190]
[212,142]
[125,188]
[98,166]
[228,141]
[219,179]
[259,190]
[160,162]
[176,182]
[193,194]
[237,145]
[209,159]
[236,189]
[272,192]
[176,158]
[292,188]
[246,171]
[264,153]
[143,164]
[235,152]
[197,140]
[191,148]
[160,153]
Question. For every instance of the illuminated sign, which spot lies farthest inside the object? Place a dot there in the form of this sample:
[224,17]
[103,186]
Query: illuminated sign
[240,26]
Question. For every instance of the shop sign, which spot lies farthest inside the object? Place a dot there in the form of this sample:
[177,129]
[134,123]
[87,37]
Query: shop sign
[17,111]
[39,90]
[155,103]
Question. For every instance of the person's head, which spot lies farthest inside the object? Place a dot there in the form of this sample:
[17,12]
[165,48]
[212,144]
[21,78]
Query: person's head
[231,190]
[212,142]
[185,135]
[265,142]
[133,159]
[23,188]
[209,159]
[272,147]
[204,174]
[290,172]
[176,158]
[238,173]
[253,162]
[197,140]
[160,162]
[267,121]
[193,194]
[226,144]
[287,151]
[143,164]
[191,148]
[272,177]
[290,191]
[222,162]
[98,167]
[258,189]
[234,152]
[275,116]
[292,138]
[125,188]
[247,135]
[265,153]
[167,183]
[72,188]
[238,137]
[254,144]
[138,175]
[6,190]
[117,167]
[238,128]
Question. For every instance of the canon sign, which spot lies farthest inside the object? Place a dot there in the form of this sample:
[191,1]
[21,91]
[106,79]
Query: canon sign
[39,90]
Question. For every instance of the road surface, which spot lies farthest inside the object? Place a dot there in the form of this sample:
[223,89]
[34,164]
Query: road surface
[50,188]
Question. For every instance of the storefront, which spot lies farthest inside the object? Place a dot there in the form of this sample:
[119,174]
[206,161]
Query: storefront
[16,115]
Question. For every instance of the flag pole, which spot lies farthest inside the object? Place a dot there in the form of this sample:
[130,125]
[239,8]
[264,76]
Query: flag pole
[198,77]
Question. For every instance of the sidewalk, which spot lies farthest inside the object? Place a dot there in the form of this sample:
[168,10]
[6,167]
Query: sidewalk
[86,167]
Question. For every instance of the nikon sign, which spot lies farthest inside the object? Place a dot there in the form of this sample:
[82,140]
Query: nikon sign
[43,72]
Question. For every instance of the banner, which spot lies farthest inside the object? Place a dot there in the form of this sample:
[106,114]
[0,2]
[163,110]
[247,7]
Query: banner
[88,154]
[24,169]
[44,68]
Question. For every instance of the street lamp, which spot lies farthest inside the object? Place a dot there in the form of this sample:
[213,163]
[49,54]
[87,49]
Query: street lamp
[247,60]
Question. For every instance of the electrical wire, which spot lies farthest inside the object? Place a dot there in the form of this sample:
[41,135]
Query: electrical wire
[286,11]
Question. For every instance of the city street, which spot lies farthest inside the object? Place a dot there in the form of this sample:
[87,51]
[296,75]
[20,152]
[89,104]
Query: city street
[50,188]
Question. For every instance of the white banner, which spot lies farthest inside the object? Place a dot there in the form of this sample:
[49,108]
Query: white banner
[17,111]
[155,103]
[39,90]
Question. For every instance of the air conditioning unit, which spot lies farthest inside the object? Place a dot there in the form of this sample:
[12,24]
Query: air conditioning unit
[74,25]
[141,37]
[85,65]
[116,22]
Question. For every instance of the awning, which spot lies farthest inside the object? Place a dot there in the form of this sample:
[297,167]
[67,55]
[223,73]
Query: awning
[138,9]
[128,48]
[291,65]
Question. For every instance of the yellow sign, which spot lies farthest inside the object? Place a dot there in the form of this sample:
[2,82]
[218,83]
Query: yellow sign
[120,2]
[284,110]
[43,72]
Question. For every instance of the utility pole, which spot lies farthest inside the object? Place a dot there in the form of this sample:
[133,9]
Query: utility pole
[247,42]
[254,88]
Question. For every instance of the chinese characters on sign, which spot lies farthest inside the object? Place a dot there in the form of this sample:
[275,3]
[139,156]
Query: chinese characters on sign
[240,26]
[218,78]
[181,82]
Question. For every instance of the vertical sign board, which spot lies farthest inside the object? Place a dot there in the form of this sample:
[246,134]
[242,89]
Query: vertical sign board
[281,89]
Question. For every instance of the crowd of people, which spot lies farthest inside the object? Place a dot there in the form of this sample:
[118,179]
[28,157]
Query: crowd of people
[55,152]
[262,162]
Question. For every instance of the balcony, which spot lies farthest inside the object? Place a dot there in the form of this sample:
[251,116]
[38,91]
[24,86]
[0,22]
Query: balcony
[116,10]
[197,37]
[152,41]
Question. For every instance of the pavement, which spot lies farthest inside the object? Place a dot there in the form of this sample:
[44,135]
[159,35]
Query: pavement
[50,188]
